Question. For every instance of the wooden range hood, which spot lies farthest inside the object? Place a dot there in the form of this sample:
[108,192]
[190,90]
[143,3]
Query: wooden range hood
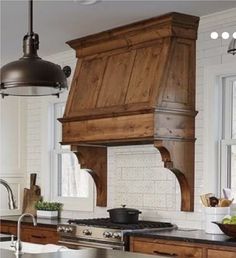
[135,85]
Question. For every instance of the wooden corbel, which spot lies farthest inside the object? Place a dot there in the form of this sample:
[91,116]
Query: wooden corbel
[94,160]
[178,157]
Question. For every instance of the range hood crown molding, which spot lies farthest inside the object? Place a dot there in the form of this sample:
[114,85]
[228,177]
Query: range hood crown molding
[136,85]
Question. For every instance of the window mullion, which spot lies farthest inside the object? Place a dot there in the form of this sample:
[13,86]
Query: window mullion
[227,109]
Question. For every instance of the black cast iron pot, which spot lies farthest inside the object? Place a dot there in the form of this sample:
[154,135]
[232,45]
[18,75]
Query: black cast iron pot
[124,215]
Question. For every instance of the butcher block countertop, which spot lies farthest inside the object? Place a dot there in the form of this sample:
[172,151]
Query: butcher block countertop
[86,253]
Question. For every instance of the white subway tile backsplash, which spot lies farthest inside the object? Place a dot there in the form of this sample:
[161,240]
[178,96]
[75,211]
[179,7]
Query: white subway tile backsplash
[166,187]
[132,173]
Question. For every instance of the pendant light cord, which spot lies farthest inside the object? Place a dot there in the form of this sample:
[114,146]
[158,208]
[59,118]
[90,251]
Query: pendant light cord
[30,29]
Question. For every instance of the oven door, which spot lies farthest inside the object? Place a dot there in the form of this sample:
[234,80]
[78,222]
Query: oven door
[87,244]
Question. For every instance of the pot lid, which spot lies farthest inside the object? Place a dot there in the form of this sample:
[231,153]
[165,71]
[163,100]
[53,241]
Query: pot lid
[123,208]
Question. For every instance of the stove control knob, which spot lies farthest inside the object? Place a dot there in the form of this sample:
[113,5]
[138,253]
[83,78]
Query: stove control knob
[68,230]
[107,234]
[87,232]
[60,229]
[116,235]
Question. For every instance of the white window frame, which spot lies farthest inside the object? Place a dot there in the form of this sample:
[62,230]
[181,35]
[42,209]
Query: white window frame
[227,140]
[214,77]
[48,164]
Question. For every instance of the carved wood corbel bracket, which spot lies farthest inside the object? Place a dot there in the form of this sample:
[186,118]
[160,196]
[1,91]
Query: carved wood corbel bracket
[178,157]
[94,160]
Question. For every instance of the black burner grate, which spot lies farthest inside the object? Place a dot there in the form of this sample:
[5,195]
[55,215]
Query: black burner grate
[106,223]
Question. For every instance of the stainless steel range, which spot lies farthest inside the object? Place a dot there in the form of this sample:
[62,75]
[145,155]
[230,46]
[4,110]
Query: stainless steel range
[102,233]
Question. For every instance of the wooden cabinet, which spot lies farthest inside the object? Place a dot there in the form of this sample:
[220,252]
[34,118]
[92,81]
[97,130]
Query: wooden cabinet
[220,254]
[8,229]
[38,234]
[180,249]
[165,248]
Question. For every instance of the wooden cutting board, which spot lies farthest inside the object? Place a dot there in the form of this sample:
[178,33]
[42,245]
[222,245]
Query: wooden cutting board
[31,196]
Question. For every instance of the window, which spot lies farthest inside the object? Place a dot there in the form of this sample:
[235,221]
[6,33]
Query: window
[218,115]
[71,185]
[228,131]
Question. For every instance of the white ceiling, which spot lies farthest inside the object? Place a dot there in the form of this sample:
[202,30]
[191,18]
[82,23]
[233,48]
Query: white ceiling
[59,21]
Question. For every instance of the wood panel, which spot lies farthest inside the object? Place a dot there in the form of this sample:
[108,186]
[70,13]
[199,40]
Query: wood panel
[173,250]
[180,248]
[174,125]
[12,230]
[87,85]
[116,79]
[143,77]
[220,254]
[107,129]
[8,229]
[179,80]
[38,234]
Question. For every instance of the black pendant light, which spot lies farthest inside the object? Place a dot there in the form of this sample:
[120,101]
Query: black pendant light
[30,75]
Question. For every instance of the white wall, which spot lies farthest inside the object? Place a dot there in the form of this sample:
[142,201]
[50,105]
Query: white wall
[12,150]
[136,175]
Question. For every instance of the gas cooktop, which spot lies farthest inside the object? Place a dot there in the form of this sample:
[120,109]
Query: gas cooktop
[107,223]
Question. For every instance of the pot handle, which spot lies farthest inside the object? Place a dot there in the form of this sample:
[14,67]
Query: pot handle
[133,212]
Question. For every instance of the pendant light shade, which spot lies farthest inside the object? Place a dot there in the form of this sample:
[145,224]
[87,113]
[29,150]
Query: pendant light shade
[30,75]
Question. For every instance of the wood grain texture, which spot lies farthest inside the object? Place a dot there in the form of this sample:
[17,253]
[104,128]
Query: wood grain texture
[221,254]
[178,157]
[38,234]
[109,129]
[171,24]
[136,84]
[180,249]
[94,160]
[173,250]
[31,196]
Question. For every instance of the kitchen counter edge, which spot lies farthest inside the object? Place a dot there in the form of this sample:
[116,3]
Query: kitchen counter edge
[188,236]
[40,222]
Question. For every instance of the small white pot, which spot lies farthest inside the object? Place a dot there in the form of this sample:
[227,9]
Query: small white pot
[47,214]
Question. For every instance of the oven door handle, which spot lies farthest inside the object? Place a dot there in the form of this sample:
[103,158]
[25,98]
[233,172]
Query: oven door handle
[86,244]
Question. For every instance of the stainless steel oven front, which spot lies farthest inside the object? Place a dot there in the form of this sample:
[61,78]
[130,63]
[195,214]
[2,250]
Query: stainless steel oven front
[83,236]
[84,244]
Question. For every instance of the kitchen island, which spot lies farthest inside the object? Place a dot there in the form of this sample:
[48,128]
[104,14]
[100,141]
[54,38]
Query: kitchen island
[85,253]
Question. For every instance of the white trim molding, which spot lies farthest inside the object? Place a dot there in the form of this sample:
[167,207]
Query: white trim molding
[49,177]
[213,79]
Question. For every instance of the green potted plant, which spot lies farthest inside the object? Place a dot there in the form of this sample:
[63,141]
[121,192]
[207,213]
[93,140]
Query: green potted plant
[48,209]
